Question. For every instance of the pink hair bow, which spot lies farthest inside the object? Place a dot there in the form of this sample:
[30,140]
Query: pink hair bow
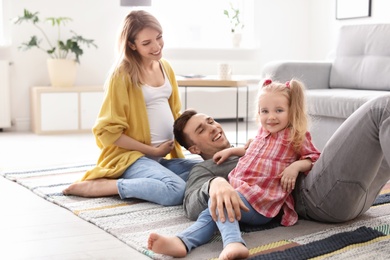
[267,82]
[288,84]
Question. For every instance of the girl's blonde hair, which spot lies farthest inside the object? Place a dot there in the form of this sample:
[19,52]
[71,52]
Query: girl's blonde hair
[294,91]
[129,60]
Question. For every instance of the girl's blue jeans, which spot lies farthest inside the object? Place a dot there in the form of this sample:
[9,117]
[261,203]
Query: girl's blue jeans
[162,182]
[205,227]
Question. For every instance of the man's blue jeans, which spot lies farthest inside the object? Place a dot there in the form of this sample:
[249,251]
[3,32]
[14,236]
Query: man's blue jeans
[204,228]
[162,182]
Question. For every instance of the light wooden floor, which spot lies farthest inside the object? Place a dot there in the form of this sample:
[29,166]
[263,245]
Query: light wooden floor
[33,228]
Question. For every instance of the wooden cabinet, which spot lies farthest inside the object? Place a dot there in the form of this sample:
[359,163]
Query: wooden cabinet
[65,110]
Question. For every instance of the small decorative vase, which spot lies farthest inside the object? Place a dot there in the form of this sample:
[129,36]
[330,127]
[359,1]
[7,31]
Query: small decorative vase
[236,39]
[62,72]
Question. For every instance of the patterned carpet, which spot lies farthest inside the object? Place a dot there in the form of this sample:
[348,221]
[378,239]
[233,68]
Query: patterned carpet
[131,221]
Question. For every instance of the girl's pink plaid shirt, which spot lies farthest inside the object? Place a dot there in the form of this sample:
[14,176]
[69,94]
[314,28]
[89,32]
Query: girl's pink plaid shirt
[256,174]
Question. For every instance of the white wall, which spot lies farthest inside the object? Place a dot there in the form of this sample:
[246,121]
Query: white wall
[324,28]
[95,19]
[286,29]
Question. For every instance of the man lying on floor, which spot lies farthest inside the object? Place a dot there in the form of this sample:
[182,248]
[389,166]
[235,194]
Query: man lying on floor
[342,185]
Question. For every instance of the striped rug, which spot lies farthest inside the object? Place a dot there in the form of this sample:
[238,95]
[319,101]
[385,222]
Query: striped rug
[131,221]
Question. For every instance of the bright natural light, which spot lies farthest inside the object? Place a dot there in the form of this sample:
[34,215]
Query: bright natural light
[202,23]
[1,24]
[4,23]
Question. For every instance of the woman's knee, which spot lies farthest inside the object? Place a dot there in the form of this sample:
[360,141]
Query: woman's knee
[174,197]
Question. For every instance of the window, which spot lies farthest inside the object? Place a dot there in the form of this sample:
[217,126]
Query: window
[4,24]
[1,24]
[202,23]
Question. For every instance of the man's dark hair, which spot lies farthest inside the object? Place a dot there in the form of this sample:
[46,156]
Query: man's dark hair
[178,128]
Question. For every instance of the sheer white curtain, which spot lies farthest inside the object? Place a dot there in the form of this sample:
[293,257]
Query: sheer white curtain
[202,23]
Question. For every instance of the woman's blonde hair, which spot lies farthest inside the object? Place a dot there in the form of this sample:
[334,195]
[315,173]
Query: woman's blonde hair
[129,60]
[294,91]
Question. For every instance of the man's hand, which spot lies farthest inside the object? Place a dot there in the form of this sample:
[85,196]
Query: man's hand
[223,195]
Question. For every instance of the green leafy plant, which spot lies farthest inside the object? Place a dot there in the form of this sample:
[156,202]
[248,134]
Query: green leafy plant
[234,17]
[60,49]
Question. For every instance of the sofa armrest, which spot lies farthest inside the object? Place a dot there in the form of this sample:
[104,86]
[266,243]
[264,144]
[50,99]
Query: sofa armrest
[315,75]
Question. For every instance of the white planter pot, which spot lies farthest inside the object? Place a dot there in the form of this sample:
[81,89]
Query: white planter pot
[62,72]
[236,39]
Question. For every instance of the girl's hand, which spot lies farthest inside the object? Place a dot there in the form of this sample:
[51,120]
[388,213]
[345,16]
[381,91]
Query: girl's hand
[248,143]
[221,156]
[164,148]
[288,178]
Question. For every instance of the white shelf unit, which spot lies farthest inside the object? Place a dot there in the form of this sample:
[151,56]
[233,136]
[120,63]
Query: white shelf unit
[65,110]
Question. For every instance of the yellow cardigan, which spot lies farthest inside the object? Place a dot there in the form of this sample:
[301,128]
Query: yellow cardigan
[124,111]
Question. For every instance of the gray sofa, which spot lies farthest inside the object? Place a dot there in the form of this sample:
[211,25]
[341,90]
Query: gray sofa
[358,72]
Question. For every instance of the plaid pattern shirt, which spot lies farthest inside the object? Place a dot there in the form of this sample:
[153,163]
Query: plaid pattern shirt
[256,173]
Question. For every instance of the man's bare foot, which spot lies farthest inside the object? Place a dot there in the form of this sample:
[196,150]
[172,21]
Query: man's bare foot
[234,251]
[172,246]
[92,188]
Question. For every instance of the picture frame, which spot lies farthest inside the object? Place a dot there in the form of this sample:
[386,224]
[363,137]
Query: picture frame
[350,9]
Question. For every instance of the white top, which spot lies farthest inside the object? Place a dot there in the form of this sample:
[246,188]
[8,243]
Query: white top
[159,113]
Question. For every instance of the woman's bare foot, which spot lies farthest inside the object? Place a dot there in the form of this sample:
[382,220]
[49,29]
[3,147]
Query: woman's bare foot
[172,246]
[92,188]
[234,251]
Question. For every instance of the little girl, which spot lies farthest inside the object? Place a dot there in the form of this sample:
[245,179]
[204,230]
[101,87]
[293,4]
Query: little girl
[264,176]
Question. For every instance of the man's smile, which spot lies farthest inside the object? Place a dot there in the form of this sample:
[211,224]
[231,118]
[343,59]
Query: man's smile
[219,135]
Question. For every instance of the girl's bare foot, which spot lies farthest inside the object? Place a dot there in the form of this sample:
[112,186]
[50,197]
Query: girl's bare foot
[172,246]
[92,188]
[234,251]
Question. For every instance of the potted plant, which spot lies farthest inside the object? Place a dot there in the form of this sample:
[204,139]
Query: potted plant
[233,14]
[63,54]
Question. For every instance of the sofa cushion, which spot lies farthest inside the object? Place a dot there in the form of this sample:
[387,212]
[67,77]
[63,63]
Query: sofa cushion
[362,58]
[338,103]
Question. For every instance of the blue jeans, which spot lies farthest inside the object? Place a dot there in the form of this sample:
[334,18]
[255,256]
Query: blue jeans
[204,228]
[162,182]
